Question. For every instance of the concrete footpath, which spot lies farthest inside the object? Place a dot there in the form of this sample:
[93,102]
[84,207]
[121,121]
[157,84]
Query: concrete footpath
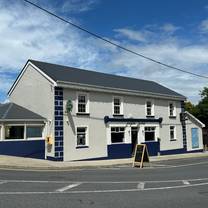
[10,162]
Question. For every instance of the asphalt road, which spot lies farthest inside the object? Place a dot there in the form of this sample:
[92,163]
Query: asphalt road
[175,183]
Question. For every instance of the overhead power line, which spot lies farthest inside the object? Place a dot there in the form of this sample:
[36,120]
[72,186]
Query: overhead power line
[113,43]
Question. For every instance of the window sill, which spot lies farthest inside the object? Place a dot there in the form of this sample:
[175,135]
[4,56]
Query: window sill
[82,114]
[172,117]
[150,116]
[118,115]
[82,147]
[173,140]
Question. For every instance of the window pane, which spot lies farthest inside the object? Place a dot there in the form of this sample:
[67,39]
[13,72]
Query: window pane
[14,132]
[116,109]
[172,132]
[116,101]
[81,136]
[82,99]
[81,108]
[34,131]
[149,133]
[117,137]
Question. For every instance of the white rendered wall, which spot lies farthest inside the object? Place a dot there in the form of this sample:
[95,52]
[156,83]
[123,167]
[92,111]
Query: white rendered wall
[36,93]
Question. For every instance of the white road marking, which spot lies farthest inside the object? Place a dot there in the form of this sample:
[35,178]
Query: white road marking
[114,182]
[185,182]
[68,187]
[140,186]
[3,182]
[104,191]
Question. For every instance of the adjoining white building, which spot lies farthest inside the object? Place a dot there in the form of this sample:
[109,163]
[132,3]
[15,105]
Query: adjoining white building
[90,115]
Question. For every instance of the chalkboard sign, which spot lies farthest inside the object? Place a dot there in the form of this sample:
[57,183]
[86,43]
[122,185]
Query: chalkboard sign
[141,155]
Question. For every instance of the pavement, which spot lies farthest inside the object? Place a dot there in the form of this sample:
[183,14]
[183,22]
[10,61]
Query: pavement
[175,182]
[10,162]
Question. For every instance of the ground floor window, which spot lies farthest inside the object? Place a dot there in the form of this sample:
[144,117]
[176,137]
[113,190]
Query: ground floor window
[149,133]
[172,133]
[34,131]
[23,131]
[14,132]
[117,134]
[81,136]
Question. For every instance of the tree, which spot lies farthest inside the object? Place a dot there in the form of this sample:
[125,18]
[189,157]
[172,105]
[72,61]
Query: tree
[200,110]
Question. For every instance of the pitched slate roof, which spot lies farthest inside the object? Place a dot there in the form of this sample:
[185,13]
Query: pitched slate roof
[12,111]
[75,75]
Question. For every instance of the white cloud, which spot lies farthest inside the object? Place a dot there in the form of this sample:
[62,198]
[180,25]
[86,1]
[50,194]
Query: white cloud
[133,34]
[77,6]
[169,28]
[204,26]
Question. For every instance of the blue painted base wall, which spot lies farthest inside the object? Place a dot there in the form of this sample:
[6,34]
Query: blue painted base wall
[153,148]
[116,151]
[33,149]
[178,151]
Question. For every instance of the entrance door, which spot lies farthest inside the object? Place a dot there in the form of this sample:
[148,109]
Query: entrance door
[134,138]
[195,138]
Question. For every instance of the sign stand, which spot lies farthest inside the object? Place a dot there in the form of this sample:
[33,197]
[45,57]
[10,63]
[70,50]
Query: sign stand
[141,155]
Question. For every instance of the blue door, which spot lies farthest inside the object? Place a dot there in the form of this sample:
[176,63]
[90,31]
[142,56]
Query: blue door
[195,138]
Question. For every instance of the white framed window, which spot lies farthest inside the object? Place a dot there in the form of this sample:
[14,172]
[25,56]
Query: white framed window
[82,136]
[117,106]
[14,132]
[149,106]
[117,134]
[34,132]
[149,133]
[83,103]
[172,133]
[172,109]
[23,132]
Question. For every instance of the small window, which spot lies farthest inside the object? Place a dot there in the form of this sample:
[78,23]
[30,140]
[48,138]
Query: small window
[149,133]
[81,136]
[82,103]
[117,134]
[149,108]
[172,110]
[172,133]
[34,132]
[117,106]
[14,132]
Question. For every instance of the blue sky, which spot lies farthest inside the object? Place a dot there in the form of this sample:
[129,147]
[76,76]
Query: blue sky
[174,32]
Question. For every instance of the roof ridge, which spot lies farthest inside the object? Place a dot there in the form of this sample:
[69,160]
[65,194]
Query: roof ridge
[7,111]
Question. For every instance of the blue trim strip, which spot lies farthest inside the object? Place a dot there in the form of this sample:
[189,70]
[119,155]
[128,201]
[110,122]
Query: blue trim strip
[142,120]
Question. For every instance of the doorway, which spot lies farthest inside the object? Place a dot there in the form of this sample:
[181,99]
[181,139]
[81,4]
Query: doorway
[134,138]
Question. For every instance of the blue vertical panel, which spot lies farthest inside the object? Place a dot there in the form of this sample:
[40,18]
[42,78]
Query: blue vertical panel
[59,130]
[195,138]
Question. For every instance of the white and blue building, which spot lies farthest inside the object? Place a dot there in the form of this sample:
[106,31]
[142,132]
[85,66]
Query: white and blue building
[88,115]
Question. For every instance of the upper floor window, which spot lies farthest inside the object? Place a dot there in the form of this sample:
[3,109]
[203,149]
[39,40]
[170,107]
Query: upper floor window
[172,109]
[82,103]
[172,133]
[117,106]
[149,108]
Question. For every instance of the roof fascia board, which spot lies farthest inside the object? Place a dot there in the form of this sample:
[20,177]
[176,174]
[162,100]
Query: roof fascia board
[22,120]
[194,118]
[23,71]
[79,86]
